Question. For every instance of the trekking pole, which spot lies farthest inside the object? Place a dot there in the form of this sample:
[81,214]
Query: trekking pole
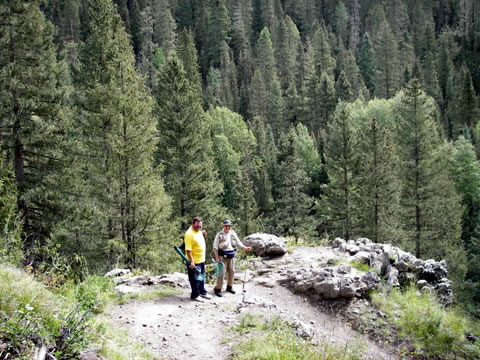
[244,281]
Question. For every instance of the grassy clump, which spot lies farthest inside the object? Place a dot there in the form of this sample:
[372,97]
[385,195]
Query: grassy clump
[275,339]
[357,265]
[32,316]
[432,329]
[66,319]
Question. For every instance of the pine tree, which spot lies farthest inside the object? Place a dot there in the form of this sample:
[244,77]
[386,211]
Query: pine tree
[292,105]
[275,108]
[246,210]
[445,70]
[123,206]
[397,16]
[186,155]
[432,211]
[307,149]
[147,49]
[354,77]
[337,206]
[293,205]
[323,102]
[466,173]
[136,28]
[164,26]
[379,192]
[258,96]
[366,62]
[219,27]
[343,89]
[388,71]
[187,53]
[184,14]
[429,66]
[229,80]
[33,116]
[341,23]
[283,56]
[354,24]
[266,59]
[464,110]
[322,54]
[266,152]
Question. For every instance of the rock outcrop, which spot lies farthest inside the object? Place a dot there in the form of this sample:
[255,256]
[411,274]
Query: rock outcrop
[399,267]
[266,244]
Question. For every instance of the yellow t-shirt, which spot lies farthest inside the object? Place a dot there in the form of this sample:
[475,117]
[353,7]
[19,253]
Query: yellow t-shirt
[195,242]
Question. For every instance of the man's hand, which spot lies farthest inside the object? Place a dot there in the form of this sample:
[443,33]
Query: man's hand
[248,249]
[192,265]
[204,233]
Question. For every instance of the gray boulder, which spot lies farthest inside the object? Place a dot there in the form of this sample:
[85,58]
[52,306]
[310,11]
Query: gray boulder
[266,244]
[117,272]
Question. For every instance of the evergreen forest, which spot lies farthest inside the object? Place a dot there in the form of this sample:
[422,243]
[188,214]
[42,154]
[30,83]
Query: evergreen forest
[120,120]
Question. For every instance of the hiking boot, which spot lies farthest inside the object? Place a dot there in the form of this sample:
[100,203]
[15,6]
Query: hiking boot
[218,292]
[230,290]
[206,296]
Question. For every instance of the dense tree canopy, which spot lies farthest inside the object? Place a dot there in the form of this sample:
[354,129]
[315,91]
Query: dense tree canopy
[120,120]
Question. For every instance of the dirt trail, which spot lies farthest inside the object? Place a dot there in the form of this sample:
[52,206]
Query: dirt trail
[176,327]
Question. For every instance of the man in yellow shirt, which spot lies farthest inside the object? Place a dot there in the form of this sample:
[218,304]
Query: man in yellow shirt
[195,248]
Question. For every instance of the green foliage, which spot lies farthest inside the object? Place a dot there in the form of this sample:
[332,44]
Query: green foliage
[426,181]
[432,329]
[190,174]
[10,224]
[33,113]
[30,312]
[338,204]
[293,205]
[275,339]
[466,174]
[116,148]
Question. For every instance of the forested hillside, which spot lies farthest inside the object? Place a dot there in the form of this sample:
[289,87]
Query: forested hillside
[121,120]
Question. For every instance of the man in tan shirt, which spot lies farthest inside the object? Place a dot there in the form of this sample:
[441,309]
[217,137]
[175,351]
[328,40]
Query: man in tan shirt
[224,247]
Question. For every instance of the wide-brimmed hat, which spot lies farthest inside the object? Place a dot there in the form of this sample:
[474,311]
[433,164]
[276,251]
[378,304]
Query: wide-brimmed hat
[227,222]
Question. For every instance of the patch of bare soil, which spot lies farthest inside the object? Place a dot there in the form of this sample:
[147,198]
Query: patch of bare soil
[177,328]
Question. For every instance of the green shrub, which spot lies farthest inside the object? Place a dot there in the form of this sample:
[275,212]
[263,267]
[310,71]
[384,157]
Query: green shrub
[30,314]
[431,328]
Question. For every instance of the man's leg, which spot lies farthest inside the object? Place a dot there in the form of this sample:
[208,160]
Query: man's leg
[230,272]
[193,283]
[219,285]
[201,284]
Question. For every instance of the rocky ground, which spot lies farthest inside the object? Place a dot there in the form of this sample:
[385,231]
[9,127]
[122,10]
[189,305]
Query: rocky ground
[177,328]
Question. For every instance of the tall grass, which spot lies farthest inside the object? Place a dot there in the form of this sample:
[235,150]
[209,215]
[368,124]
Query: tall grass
[32,316]
[275,339]
[432,329]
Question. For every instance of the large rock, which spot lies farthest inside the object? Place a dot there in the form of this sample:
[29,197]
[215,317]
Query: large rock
[117,272]
[333,282]
[266,244]
[398,267]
